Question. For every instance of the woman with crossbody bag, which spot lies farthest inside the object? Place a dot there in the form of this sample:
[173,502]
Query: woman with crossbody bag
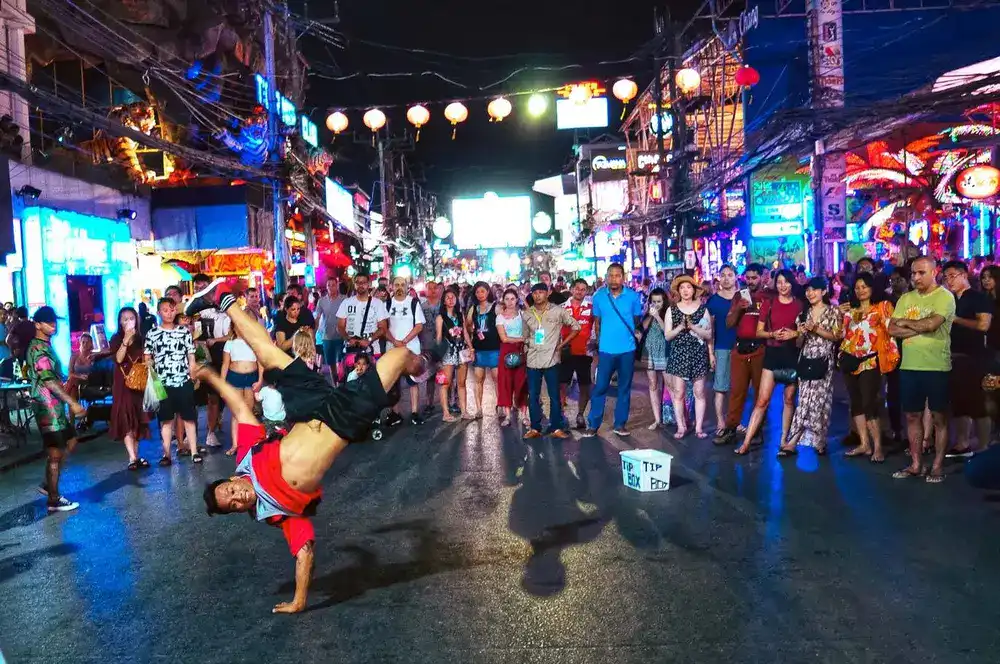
[819,330]
[129,423]
[778,328]
[451,326]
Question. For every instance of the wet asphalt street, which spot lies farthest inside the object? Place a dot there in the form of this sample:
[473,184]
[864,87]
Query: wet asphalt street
[460,543]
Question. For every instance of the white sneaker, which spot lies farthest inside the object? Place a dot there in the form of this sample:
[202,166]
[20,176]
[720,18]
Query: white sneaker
[63,505]
[201,301]
[212,441]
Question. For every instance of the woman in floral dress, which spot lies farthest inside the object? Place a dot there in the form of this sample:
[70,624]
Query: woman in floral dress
[820,331]
[868,343]
[655,350]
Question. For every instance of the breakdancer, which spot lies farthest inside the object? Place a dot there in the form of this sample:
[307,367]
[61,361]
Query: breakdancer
[278,480]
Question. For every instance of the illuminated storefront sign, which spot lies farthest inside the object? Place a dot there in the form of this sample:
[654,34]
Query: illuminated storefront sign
[978,182]
[609,165]
[648,161]
[61,247]
[776,208]
[340,205]
[775,228]
[308,131]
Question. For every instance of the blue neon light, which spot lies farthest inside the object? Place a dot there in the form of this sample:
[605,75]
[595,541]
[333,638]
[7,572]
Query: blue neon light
[262,97]
[309,131]
[289,114]
[59,244]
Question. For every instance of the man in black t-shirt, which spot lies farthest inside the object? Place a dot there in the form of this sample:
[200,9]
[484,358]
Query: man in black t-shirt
[973,315]
[306,318]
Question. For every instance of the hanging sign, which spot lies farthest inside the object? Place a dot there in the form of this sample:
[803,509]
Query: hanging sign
[608,165]
[978,182]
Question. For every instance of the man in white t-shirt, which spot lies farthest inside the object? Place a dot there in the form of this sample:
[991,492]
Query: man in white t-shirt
[406,321]
[363,330]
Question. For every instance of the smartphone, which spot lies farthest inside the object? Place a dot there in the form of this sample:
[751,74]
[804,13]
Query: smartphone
[745,294]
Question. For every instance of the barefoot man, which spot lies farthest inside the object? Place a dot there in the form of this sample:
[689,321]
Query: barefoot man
[278,480]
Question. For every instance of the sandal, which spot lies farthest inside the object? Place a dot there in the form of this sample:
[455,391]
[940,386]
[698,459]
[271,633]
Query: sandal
[785,452]
[742,450]
[133,465]
[654,426]
[449,419]
[165,461]
[701,434]
[231,451]
[858,451]
[143,463]
[197,458]
[680,434]
[934,478]
[907,473]
[877,458]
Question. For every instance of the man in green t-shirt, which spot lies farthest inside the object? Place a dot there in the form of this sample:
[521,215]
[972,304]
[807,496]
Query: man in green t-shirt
[922,320]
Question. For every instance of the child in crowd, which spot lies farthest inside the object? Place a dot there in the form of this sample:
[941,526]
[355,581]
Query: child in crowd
[361,364]
[272,411]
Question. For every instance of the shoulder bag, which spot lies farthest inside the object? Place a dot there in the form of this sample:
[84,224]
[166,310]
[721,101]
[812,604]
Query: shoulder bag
[631,329]
[357,350]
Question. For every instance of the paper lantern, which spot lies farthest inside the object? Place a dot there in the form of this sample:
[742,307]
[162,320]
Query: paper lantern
[456,112]
[747,76]
[374,119]
[337,122]
[625,90]
[580,94]
[418,116]
[499,108]
[688,80]
[978,182]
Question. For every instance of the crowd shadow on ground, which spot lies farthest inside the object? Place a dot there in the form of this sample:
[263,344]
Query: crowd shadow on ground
[22,562]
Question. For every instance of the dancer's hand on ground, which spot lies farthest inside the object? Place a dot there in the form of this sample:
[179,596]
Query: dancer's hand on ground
[288,607]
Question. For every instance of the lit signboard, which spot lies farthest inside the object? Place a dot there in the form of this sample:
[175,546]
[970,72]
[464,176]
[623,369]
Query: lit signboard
[340,204]
[289,114]
[777,200]
[648,161]
[775,228]
[309,131]
[608,165]
[262,97]
[491,222]
[573,115]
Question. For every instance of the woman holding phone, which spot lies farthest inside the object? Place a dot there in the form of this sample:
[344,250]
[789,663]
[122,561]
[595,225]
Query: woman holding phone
[129,423]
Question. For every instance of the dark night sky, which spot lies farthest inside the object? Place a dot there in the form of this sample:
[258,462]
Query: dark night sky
[486,42]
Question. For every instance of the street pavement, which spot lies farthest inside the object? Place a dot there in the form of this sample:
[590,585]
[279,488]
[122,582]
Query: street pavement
[461,543]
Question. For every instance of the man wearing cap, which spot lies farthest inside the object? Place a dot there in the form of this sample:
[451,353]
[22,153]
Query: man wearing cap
[544,323]
[617,310]
[49,401]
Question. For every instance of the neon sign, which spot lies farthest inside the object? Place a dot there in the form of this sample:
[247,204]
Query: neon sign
[308,131]
[978,182]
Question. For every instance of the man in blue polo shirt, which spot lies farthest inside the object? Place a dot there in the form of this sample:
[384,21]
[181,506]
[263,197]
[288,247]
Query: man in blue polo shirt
[616,313]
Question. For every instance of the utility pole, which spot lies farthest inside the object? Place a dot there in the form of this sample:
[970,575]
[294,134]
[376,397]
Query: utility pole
[661,152]
[274,127]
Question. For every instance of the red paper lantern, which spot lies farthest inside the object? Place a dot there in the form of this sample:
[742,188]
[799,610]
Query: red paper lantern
[747,76]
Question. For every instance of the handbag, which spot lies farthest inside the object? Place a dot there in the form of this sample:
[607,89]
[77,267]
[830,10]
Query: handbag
[135,378]
[748,346]
[786,376]
[513,360]
[812,368]
[851,363]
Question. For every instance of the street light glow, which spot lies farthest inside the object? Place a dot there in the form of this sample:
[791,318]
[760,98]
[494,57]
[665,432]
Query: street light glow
[537,105]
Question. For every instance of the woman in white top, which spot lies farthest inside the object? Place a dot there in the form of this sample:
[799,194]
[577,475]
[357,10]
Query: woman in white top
[241,370]
[512,392]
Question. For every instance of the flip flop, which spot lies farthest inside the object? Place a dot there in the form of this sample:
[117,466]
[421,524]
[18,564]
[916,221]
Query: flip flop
[934,478]
[782,452]
[143,463]
[907,473]
[701,434]
[857,452]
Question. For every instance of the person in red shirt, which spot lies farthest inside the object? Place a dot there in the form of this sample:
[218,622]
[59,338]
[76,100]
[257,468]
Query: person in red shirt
[279,481]
[747,359]
[576,359]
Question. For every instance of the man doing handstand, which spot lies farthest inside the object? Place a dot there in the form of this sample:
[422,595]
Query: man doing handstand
[278,481]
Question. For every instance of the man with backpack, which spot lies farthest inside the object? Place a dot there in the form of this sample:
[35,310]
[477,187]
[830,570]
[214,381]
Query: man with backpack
[406,321]
[362,322]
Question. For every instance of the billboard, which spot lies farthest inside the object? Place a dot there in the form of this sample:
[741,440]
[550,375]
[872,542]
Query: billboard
[572,115]
[491,222]
[340,204]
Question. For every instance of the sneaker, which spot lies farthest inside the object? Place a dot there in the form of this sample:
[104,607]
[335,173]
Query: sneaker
[201,300]
[533,433]
[416,419]
[227,301]
[212,441]
[63,505]
[622,431]
[590,432]
[965,453]
[724,436]
[393,419]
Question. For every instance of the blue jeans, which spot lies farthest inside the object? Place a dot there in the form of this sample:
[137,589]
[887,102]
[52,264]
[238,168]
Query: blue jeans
[551,376]
[607,366]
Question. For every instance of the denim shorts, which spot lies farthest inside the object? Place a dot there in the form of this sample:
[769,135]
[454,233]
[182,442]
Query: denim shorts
[487,359]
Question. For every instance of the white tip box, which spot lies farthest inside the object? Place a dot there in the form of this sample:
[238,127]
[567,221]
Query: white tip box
[646,470]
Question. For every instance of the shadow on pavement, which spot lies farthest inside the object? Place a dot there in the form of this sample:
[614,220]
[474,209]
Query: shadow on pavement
[433,556]
[113,482]
[22,562]
[24,515]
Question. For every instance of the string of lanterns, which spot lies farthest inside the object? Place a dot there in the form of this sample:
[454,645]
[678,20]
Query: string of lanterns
[499,108]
